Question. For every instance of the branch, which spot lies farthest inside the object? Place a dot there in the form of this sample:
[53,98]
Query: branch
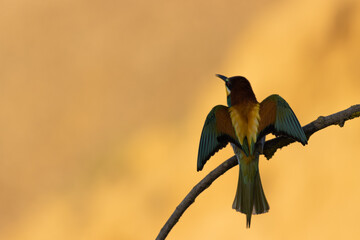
[270,148]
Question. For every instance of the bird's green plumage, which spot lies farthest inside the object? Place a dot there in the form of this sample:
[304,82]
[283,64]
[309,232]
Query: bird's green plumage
[245,147]
[250,197]
[216,133]
[276,117]
[228,100]
[282,120]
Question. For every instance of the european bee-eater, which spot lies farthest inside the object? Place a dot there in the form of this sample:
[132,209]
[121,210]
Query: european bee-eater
[245,123]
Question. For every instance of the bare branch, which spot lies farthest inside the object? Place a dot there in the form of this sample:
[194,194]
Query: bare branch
[270,148]
[339,118]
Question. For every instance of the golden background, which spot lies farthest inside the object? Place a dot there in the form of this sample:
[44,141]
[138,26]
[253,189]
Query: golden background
[102,105]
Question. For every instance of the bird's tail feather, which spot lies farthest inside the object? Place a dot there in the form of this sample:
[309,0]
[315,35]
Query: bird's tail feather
[250,198]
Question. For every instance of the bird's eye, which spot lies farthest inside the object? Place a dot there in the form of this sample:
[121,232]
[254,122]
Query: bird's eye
[228,85]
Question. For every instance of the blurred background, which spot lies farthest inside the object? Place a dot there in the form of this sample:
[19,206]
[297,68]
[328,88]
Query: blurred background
[102,105]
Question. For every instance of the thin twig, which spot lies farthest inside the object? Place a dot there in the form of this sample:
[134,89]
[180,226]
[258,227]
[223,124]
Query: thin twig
[270,148]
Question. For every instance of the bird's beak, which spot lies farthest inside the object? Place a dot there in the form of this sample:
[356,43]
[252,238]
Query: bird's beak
[222,77]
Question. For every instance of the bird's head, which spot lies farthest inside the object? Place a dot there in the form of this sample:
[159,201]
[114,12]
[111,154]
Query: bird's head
[238,88]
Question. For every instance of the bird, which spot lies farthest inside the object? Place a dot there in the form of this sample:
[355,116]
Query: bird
[244,123]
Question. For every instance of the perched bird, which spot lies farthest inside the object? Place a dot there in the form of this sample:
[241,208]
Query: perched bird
[245,123]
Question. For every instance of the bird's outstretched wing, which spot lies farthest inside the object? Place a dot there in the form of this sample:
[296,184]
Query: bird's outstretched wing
[277,117]
[216,134]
